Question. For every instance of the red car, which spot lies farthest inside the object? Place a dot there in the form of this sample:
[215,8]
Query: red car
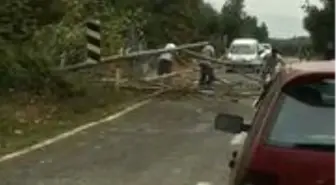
[291,139]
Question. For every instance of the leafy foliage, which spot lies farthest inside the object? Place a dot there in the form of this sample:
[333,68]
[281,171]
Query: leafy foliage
[37,35]
[292,46]
[235,22]
[183,21]
[320,23]
[20,19]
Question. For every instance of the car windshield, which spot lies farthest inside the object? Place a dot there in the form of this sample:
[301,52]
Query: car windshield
[243,49]
[305,118]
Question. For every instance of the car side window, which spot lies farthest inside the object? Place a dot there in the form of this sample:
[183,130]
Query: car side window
[298,110]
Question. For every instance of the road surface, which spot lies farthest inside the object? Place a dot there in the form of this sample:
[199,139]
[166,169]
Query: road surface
[166,142]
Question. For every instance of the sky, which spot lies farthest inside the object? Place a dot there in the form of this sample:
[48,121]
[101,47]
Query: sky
[283,17]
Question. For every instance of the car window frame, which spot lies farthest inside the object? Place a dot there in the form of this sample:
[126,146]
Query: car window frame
[277,98]
[257,125]
[267,102]
[270,119]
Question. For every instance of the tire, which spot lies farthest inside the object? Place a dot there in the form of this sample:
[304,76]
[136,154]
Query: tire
[229,69]
[257,70]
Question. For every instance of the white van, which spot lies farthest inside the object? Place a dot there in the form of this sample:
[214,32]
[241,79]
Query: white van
[244,52]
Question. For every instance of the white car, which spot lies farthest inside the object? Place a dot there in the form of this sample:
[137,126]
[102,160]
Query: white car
[244,53]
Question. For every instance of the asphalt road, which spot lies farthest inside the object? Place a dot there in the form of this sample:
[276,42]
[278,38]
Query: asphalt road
[166,142]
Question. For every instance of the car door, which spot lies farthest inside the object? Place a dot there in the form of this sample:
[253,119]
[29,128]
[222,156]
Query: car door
[243,156]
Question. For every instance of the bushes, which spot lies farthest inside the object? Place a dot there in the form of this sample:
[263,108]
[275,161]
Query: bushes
[36,36]
[112,28]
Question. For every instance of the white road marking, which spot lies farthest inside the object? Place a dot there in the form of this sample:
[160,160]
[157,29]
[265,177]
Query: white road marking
[254,103]
[177,170]
[204,183]
[223,80]
[202,127]
[73,132]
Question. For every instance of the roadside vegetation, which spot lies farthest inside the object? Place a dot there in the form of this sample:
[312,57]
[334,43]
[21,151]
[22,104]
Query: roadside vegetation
[36,102]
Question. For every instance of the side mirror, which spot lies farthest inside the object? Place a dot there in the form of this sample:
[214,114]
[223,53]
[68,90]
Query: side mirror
[230,123]
[260,52]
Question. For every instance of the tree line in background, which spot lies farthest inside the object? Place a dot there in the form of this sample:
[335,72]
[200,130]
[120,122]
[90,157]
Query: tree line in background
[36,35]
[320,23]
[293,46]
[181,21]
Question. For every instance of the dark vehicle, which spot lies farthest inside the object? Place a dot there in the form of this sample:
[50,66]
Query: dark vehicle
[291,140]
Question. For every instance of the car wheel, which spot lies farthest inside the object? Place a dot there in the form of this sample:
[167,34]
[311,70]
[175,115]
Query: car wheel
[257,70]
[229,69]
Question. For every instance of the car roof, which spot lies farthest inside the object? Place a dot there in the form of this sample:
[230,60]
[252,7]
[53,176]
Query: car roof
[245,41]
[295,70]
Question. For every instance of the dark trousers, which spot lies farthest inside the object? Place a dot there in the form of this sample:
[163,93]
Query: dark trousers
[165,67]
[206,75]
[267,70]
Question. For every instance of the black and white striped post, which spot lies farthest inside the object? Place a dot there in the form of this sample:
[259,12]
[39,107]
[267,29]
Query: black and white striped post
[93,37]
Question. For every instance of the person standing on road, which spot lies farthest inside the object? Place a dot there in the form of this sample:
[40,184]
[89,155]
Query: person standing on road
[271,61]
[166,60]
[303,54]
[330,52]
[271,64]
[308,54]
[206,69]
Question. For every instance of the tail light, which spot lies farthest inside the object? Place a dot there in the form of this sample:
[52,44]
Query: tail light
[259,178]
